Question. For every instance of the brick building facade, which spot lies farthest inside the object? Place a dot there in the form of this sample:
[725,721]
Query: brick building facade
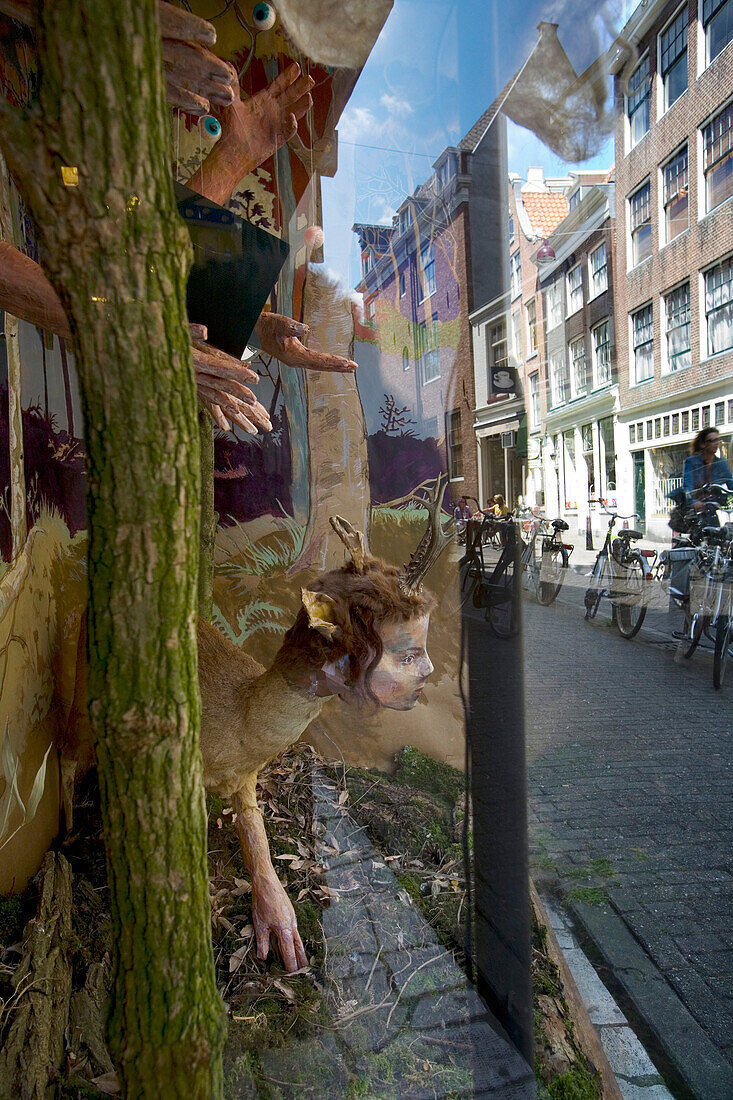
[674,245]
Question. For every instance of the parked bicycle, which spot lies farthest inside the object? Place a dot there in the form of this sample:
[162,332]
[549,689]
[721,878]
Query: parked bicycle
[495,589]
[620,574]
[706,551]
[545,557]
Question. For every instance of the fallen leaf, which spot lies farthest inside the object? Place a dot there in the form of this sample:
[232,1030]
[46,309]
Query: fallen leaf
[107,1083]
[236,960]
[342,797]
[286,990]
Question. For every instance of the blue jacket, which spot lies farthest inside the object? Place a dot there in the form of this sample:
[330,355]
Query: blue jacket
[693,474]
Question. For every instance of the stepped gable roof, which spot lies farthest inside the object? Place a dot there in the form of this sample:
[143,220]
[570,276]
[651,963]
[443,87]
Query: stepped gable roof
[545,211]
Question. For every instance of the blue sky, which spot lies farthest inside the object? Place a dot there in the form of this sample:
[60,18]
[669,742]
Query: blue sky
[435,68]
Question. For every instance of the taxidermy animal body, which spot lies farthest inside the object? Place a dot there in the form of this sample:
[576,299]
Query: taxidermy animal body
[360,634]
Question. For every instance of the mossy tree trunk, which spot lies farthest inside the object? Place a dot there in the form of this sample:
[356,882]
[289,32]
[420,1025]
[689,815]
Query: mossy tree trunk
[118,256]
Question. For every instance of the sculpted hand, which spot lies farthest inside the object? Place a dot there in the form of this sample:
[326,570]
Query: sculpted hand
[272,912]
[220,381]
[252,130]
[194,77]
[282,337]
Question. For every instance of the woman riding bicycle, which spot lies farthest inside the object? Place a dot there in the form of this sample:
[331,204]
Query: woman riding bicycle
[704,468]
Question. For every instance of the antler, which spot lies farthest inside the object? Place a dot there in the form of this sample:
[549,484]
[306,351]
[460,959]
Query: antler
[434,540]
[352,539]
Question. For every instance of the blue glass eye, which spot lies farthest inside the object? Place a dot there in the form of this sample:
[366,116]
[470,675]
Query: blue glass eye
[212,126]
[264,16]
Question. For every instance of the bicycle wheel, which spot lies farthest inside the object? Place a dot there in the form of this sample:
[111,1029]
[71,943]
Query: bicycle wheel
[600,579]
[467,584]
[723,638]
[695,626]
[553,563]
[502,611]
[629,604]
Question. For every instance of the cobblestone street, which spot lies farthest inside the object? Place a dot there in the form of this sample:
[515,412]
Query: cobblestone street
[631,819]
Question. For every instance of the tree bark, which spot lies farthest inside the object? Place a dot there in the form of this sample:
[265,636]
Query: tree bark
[208,517]
[118,256]
[18,522]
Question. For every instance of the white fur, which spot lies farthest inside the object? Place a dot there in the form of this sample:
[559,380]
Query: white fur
[339,33]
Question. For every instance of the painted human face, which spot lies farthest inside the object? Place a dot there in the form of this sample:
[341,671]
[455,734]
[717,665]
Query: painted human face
[400,676]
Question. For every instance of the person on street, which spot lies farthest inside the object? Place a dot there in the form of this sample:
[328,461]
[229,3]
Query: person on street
[704,467]
[461,514]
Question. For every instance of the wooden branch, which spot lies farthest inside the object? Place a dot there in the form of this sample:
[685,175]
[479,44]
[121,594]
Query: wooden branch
[27,294]
[33,1051]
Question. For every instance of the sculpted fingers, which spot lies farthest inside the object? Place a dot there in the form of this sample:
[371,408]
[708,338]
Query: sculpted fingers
[180,24]
[284,79]
[301,356]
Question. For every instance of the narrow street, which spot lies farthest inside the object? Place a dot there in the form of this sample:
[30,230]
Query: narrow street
[631,820]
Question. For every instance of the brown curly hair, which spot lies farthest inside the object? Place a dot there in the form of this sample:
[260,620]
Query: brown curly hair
[364,602]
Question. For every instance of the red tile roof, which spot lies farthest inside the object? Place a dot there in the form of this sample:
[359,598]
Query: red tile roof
[545,211]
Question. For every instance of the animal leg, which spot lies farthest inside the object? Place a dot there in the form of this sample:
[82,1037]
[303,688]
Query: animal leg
[272,911]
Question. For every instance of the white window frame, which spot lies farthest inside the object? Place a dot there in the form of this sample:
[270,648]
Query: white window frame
[554,289]
[426,284]
[450,446]
[667,365]
[705,353]
[664,237]
[599,382]
[702,190]
[630,144]
[703,59]
[517,334]
[575,390]
[532,348]
[633,380]
[558,394]
[570,290]
[402,282]
[633,262]
[535,411]
[515,275]
[592,292]
[662,105]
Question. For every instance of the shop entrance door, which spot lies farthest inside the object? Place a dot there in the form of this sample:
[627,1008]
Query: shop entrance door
[640,488]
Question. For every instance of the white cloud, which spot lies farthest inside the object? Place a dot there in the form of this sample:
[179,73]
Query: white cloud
[357,123]
[395,106]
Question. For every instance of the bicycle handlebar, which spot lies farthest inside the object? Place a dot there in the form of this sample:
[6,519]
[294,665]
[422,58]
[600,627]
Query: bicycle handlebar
[617,515]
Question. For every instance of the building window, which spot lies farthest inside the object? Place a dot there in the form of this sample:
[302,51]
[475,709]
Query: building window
[517,335]
[673,58]
[640,215]
[515,275]
[426,350]
[575,289]
[695,420]
[427,268]
[574,199]
[553,306]
[558,379]
[685,422]
[602,354]
[446,172]
[632,433]
[675,423]
[637,102]
[532,326]
[706,416]
[405,359]
[405,219]
[648,429]
[368,260]
[717,158]
[677,327]
[403,284]
[676,190]
[454,447]
[719,307]
[370,312]
[511,229]
[498,348]
[599,270]
[658,427]
[717,21]
[642,325]
[665,425]
[578,368]
[534,399]
[719,413]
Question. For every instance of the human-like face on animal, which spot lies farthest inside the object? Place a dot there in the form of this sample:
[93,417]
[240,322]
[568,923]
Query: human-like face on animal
[398,680]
